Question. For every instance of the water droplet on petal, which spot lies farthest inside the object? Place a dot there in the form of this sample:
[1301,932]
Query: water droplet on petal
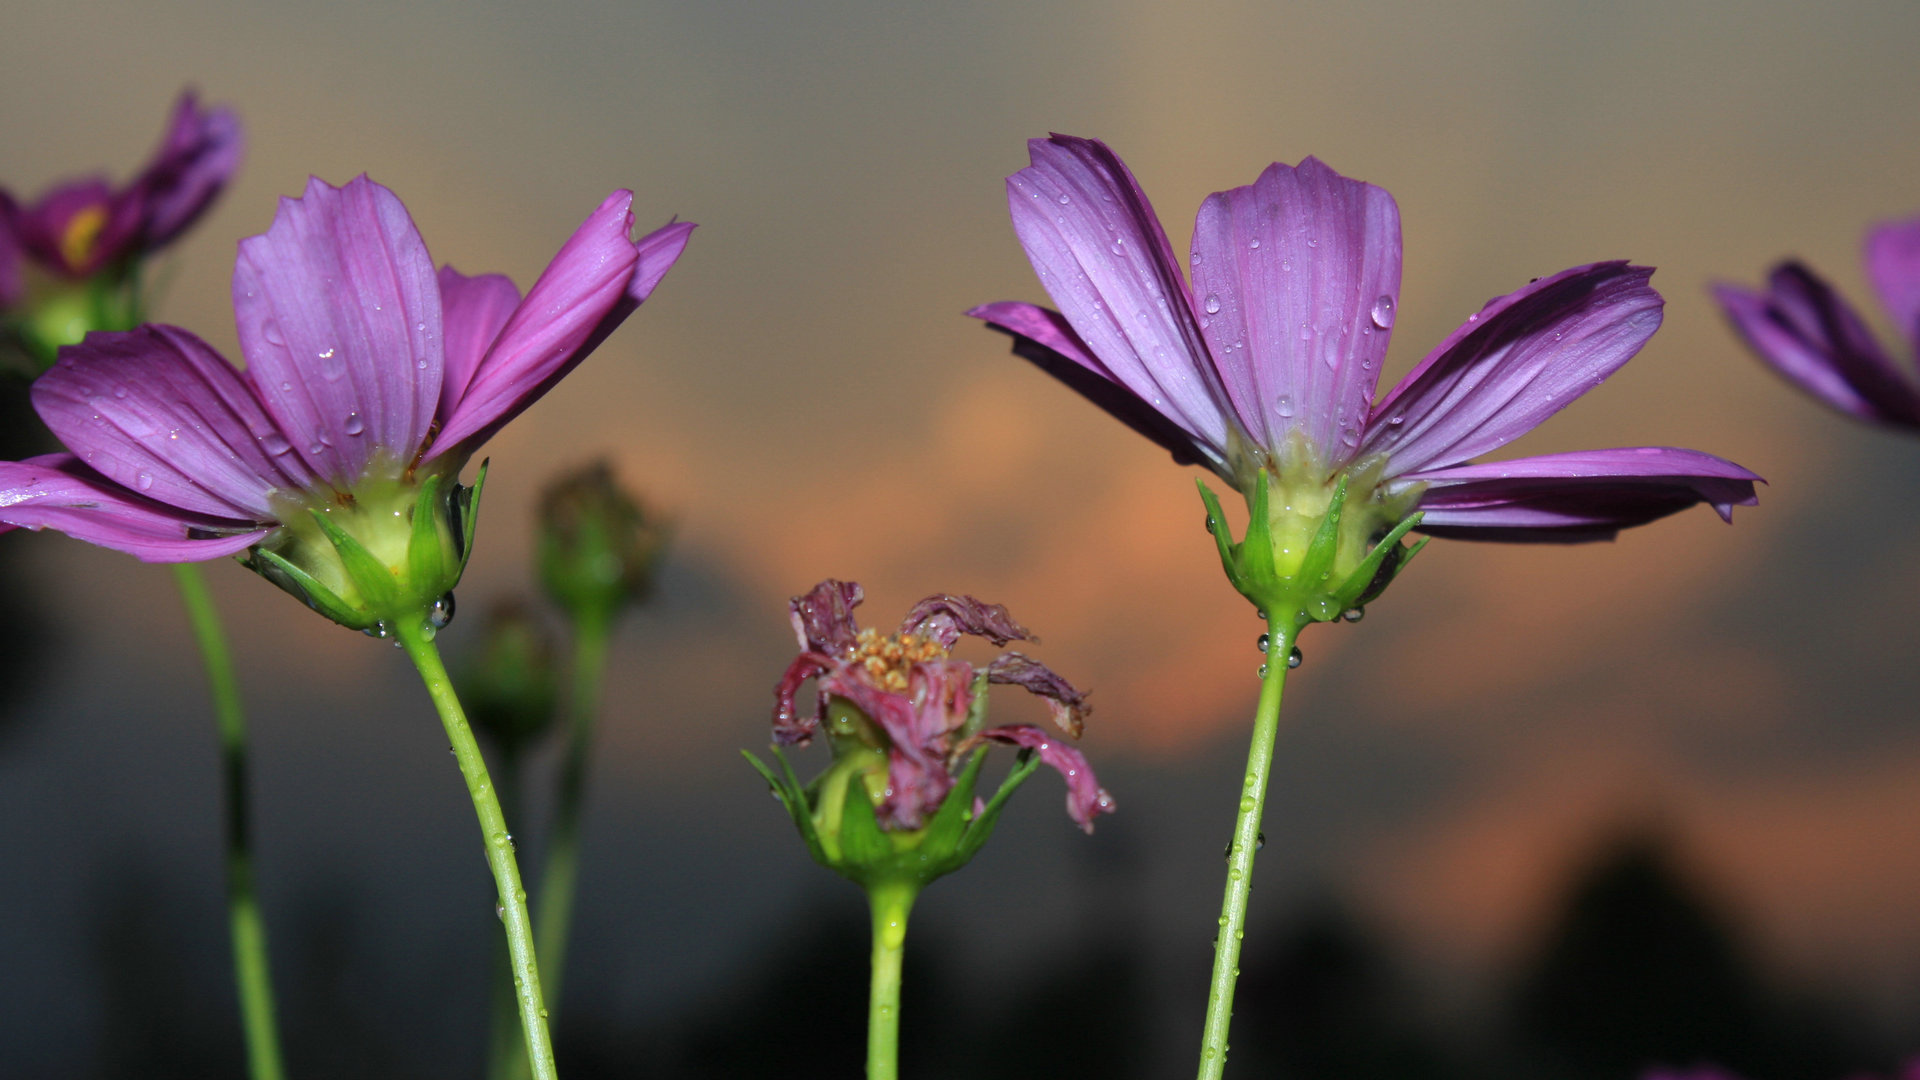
[120,391]
[1065,198]
[1193,259]
[271,331]
[353,425]
[1254,243]
[1284,406]
[1306,332]
[1383,312]
[1213,304]
[143,481]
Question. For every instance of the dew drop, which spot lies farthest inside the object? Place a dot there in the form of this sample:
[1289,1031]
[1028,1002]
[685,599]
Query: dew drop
[1262,614]
[1193,259]
[120,391]
[1213,304]
[1313,241]
[1354,614]
[316,449]
[1209,524]
[1383,312]
[1306,332]
[354,425]
[441,613]
[328,355]
[1262,672]
[1284,406]
[1254,243]
[286,388]
[1259,841]
[1295,658]
[271,331]
[1286,265]
[1065,198]
[143,481]
[1261,642]
[1119,247]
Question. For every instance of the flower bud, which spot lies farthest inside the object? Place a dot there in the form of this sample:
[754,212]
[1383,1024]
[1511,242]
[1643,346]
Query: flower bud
[510,686]
[598,547]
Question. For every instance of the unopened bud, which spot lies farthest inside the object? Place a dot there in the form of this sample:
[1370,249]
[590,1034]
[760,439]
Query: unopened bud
[510,686]
[598,547]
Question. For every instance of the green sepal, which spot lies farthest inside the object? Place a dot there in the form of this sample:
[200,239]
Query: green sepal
[1318,564]
[424,558]
[303,585]
[982,828]
[1222,534]
[469,511]
[373,578]
[863,847]
[788,790]
[1362,585]
[949,824]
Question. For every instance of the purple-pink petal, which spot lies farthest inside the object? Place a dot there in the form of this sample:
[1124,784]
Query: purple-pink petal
[1893,265]
[53,232]
[158,412]
[1297,276]
[823,618]
[58,492]
[472,312]
[790,726]
[1804,363]
[1586,495]
[584,293]
[943,617]
[198,155]
[1103,257]
[338,309]
[1067,705]
[1043,337]
[1086,799]
[1521,359]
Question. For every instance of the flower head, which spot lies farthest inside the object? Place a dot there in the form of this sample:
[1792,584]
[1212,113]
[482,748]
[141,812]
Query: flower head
[88,229]
[370,378]
[905,716]
[1815,340]
[1264,367]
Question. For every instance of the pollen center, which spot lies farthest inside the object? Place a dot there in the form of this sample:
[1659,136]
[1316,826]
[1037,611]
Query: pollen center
[887,660]
[83,229]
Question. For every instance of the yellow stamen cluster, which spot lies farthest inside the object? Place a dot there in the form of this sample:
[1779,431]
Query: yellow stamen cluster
[887,660]
[83,229]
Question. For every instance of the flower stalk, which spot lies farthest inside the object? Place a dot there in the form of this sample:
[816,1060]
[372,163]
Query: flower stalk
[416,635]
[562,873]
[891,900]
[252,977]
[1246,841]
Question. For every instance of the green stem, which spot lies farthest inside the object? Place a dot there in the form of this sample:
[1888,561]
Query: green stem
[417,639]
[562,873]
[891,901]
[507,1054]
[1246,841]
[250,972]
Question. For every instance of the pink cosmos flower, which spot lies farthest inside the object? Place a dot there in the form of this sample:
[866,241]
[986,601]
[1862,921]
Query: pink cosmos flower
[1270,357]
[82,227]
[1815,340]
[927,706]
[369,378]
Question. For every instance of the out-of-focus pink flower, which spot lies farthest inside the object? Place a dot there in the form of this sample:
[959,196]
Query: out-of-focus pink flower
[1270,358]
[921,707]
[1814,339]
[79,228]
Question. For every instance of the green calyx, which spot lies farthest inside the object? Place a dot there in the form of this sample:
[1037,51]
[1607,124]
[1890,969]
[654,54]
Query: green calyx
[835,813]
[388,551]
[597,545]
[1315,551]
[59,312]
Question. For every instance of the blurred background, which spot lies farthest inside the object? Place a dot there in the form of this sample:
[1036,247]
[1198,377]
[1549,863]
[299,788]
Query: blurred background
[1556,811]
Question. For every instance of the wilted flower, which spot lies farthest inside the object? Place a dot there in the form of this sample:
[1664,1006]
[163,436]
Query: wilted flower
[88,230]
[369,381]
[598,545]
[1804,330]
[905,719]
[1266,366]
